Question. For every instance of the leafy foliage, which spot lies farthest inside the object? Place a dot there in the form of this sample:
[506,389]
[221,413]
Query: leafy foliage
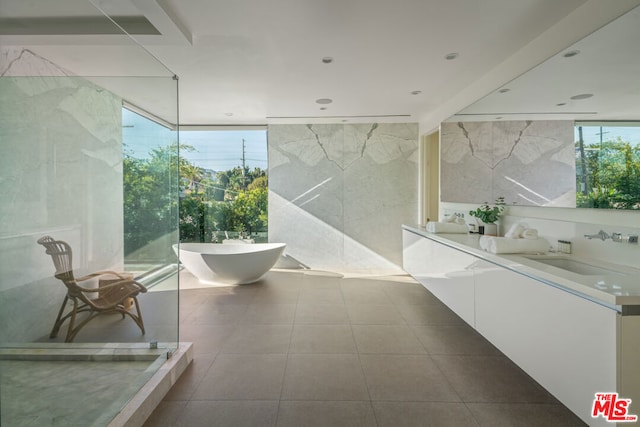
[487,213]
[209,203]
[612,176]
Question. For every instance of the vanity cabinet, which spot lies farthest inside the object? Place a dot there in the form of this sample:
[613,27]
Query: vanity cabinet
[565,342]
[572,345]
[444,271]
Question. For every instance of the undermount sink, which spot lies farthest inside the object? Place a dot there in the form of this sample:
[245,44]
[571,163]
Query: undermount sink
[574,266]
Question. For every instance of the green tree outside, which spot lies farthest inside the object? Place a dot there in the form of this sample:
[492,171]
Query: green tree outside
[612,176]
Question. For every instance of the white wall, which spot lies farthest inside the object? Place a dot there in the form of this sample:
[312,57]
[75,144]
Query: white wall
[338,193]
[61,174]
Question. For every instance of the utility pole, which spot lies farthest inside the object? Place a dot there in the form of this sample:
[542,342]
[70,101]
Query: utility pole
[244,178]
[583,162]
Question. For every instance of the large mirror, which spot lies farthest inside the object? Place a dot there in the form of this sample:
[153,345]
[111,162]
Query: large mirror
[566,133]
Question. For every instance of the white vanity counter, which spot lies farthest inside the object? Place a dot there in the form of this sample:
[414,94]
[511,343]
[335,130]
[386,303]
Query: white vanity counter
[619,288]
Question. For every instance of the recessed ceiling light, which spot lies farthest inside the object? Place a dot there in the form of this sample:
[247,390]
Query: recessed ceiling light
[327,60]
[571,53]
[228,114]
[451,56]
[561,104]
[416,92]
[582,96]
[505,90]
[324,101]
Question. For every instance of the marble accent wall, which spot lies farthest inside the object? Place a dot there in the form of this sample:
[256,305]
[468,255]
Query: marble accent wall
[60,174]
[339,193]
[529,163]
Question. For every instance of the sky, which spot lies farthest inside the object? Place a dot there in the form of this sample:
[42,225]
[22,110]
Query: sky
[591,134]
[216,150]
[222,150]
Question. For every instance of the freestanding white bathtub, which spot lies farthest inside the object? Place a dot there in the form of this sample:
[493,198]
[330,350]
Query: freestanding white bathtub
[214,263]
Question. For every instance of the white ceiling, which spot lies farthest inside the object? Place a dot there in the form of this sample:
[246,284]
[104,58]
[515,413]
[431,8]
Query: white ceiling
[261,61]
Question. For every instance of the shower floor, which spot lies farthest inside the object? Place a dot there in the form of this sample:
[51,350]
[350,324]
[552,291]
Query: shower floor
[71,390]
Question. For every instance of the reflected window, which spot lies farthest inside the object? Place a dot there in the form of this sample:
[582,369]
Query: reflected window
[608,165]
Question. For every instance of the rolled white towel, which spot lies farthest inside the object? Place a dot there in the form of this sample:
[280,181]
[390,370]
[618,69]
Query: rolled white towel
[446,227]
[451,218]
[502,245]
[461,221]
[515,232]
[529,233]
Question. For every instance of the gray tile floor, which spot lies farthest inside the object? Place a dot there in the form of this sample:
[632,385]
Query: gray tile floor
[313,349]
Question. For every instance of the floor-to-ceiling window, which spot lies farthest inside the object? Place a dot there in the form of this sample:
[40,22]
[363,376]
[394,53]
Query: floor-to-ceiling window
[223,185]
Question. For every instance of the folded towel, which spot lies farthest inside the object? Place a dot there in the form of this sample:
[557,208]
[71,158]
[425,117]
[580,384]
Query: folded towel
[515,232]
[502,245]
[454,219]
[530,233]
[446,227]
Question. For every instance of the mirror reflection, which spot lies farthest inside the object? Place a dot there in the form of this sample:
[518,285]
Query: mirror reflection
[593,86]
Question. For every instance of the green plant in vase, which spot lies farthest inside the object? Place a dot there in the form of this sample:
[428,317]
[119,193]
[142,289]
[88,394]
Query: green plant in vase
[489,214]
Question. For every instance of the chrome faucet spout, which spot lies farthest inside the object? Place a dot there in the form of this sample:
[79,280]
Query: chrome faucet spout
[603,235]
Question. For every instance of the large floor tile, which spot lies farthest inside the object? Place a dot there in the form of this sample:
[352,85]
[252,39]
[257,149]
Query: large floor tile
[261,314]
[429,314]
[316,279]
[374,314]
[321,314]
[206,339]
[491,379]
[386,339]
[166,414]
[216,314]
[232,295]
[324,377]
[322,339]
[363,283]
[406,378]
[243,413]
[454,339]
[190,379]
[262,339]
[243,377]
[409,294]
[365,296]
[277,295]
[324,414]
[411,414]
[523,415]
[320,296]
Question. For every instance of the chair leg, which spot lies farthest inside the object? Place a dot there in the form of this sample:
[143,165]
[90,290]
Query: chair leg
[72,320]
[139,320]
[59,319]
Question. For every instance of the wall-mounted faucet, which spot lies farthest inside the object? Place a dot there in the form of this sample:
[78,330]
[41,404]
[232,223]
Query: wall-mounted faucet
[601,235]
[616,237]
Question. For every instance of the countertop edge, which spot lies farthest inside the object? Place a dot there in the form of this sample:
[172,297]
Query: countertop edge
[518,264]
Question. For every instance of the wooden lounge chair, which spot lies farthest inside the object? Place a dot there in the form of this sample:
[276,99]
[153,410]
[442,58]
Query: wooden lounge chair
[113,296]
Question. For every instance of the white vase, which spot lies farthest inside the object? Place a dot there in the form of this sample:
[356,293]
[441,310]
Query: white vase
[490,229]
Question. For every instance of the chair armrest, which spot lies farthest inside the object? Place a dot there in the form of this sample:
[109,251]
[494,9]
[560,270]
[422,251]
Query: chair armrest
[102,273]
[104,288]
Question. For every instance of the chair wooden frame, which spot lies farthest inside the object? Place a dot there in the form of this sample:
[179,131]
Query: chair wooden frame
[111,297]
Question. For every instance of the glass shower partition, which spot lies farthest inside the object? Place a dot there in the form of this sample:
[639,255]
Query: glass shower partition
[88,156]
